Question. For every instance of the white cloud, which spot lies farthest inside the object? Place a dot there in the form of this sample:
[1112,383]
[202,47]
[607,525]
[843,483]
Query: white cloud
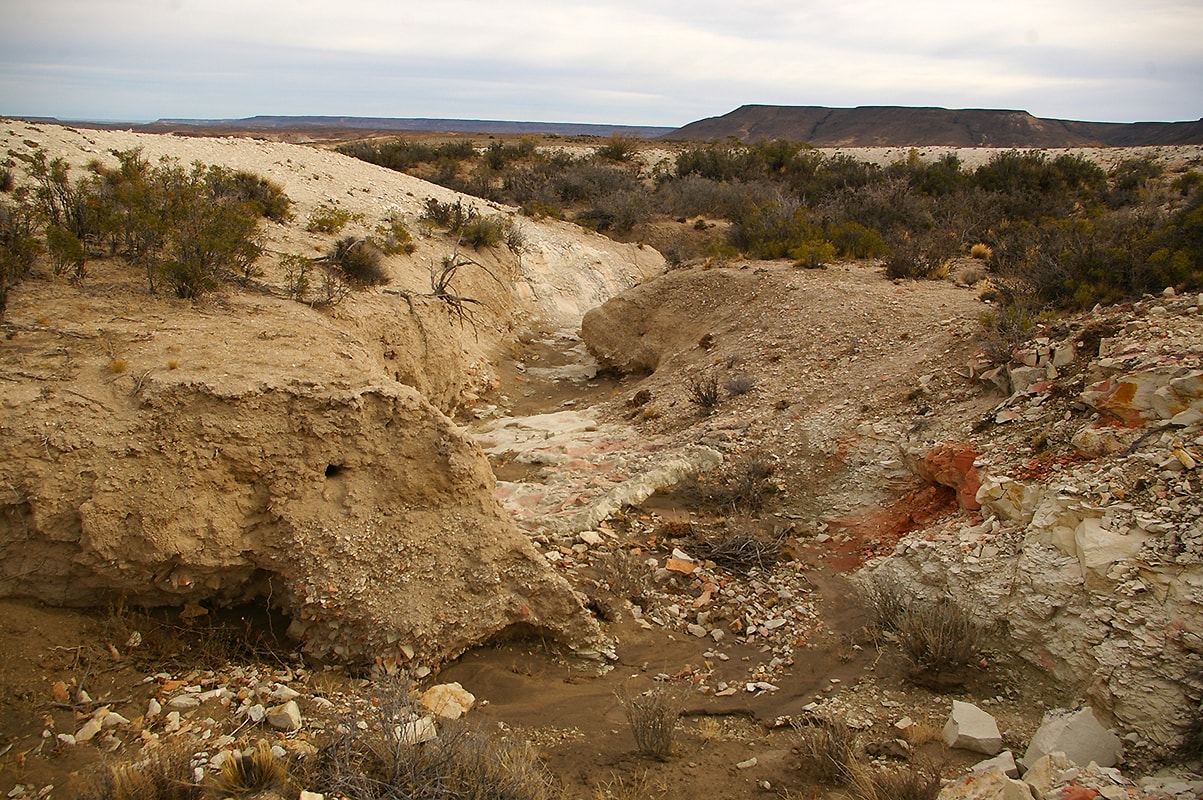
[611,61]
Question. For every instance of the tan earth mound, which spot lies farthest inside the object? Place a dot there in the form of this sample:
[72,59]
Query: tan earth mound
[248,446]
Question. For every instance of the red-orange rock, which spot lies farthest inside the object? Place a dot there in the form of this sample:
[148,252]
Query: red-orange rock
[952,465]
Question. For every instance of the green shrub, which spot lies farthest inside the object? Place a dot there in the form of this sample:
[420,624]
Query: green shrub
[265,198]
[19,247]
[854,240]
[298,272]
[7,181]
[812,255]
[392,237]
[66,250]
[328,219]
[617,149]
[452,217]
[487,231]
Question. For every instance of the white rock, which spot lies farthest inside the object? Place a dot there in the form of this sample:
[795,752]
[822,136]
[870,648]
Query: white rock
[448,700]
[184,701]
[970,728]
[286,717]
[418,731]
[88,730]
[1004,762]
[751,762]
[311,796]
[989,785]
[1077,734]
[285,693]
[153,708]
[256,713]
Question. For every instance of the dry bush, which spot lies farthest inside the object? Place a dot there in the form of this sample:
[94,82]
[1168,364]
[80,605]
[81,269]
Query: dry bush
[634,787]
[359,261]
[653,717]
[164,773]
[624,575]
[382,762]
[940,640]
[740,384]
[744,485]
[884,600]
[703,393]
[740,551]
[828,749]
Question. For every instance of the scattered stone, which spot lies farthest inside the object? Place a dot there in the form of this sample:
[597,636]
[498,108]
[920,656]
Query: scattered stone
[184,701]
[989,785]
[417,731]
[256,713]
[88,730]
[1004,761]
[285,717]
[970,728]
[751,762]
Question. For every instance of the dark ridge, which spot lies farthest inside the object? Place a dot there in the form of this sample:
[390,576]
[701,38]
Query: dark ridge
[898,126]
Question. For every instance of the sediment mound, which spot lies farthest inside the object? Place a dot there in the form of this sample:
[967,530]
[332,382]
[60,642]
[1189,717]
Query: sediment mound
[249,447]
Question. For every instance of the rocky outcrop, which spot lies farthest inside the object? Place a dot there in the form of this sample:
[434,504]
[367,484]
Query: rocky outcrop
[1087,560]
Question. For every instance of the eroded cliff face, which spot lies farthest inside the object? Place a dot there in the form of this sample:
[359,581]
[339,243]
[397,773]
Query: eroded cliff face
[248,447]
[351,503]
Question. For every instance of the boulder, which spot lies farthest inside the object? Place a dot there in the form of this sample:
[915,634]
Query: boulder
[970,728]
[1078,735]
[448,700]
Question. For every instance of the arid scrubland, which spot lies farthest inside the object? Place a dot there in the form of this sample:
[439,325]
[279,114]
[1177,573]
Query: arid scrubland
[293,444]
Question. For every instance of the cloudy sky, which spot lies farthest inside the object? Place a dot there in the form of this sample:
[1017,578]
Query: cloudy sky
[645,62]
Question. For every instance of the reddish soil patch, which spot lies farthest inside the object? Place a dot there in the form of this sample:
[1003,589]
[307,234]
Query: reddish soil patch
[869,534]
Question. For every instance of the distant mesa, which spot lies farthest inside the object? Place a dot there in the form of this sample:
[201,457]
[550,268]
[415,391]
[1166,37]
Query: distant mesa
[480,126]
[899,126]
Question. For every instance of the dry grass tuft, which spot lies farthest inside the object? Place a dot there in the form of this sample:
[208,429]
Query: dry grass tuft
[940,640]
[829,751]
[251,773]
[164,773]
[981,251]
[913,782]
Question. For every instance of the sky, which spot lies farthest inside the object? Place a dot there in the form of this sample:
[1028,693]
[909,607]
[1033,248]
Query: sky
[630,62]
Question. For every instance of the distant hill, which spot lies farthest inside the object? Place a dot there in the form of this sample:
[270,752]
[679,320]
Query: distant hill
[408,124]
[898,126]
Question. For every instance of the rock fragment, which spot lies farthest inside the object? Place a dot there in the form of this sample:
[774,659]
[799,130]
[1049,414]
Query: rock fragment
[970,728]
